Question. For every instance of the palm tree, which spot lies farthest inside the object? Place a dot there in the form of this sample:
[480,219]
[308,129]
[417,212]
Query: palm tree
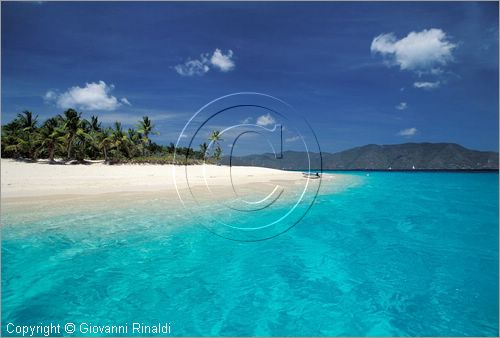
[71,124]
[82,139]
[12,139]
[70,136]
[95,125]
[10,135]
[135,139]
[27,121]
[51,137]
[27,140]
[96,137]
[203,150]
[121,142]
[105,142]
[145,127]
[215,138]
[21,147]
[217,153]
[134,136]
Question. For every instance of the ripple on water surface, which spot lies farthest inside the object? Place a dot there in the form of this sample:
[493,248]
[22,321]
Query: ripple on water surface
[393,254]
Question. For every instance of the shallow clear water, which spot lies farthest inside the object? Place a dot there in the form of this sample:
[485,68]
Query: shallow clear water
[397,254]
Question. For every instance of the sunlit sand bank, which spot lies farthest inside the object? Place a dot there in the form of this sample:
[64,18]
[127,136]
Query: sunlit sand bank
[44,185]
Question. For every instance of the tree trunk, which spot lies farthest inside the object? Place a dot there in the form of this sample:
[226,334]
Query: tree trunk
[51,154]
[144,145]
[70,145]
[31,151]
[81,153]
[106,160]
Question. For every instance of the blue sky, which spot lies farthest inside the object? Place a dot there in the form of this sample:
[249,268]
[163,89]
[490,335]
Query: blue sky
[384,73]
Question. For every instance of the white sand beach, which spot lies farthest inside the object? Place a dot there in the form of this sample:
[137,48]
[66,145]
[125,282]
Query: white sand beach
[46,189]
[23,179]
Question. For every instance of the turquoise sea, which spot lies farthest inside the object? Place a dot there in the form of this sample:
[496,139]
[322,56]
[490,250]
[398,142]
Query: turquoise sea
[411,254]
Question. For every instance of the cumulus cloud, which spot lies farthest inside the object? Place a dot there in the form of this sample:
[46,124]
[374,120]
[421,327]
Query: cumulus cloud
[426,85]
[402,106]
[408,132]
[265,120]
[422,52]
[93,96]
[222,61]
[200,66]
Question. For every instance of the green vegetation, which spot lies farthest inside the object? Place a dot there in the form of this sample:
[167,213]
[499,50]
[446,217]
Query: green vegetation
[215,139]
[74,139]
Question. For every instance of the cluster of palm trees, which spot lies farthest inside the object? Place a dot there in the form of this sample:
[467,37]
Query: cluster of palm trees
[71,137]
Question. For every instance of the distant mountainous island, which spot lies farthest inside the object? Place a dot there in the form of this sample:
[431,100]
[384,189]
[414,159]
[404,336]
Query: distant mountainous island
[407,156]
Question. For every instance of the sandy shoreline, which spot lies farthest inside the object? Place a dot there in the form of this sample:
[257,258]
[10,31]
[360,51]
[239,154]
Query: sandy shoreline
[22,179]
[25,183]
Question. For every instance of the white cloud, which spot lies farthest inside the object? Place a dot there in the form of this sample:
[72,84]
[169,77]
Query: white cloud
[94,96]
[426,85]
[292,139]
[402,106]
[265,120]
[423,52]
[221,61]
[50,96]
[246,121]
[408,132]
[125,101]
[217,60]
[193,67]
